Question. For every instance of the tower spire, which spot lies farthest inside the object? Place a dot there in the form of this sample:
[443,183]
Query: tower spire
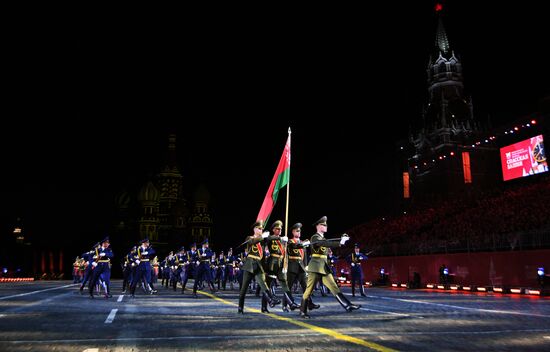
[441,40]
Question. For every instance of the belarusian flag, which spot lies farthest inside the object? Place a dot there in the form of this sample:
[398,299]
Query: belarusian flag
[280,179]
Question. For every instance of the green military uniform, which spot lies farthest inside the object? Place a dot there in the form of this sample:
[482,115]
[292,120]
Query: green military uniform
[252,267]
[275,263]
[296,263]
[318,268]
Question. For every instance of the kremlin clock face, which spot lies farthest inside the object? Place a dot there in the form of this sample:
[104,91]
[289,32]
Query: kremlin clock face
[538,153]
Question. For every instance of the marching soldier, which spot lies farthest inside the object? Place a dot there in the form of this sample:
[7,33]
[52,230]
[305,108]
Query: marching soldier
[102,266]
[276,244]
[318,268]
[252,267]
[355,259]
[203,269]
[297,263]
[144,254]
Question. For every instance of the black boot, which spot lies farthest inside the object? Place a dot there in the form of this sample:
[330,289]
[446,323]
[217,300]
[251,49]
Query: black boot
[284,304]
[311,305]
[363,291]
[303,309]
[273,301]
[346,303]
[353,290]
[264,304]
[241,305]
[288,296]
[323,290]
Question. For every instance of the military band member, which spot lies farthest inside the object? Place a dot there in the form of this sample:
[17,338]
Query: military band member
[354,260]
[190,265]
[76,270]
[318,268]
[102,266]
[221,263]
[331,260]
[252,267]
[231,263]
[178,265]
[89,259]
[127,269]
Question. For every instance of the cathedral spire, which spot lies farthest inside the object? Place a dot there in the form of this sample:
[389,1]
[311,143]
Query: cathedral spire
[171,159]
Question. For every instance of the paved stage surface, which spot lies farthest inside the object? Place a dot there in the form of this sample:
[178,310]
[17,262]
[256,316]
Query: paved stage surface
[53,316]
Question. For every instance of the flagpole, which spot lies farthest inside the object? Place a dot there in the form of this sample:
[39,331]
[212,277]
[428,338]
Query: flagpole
[285,254]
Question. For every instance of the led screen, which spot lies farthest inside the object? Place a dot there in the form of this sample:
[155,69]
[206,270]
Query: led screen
[523,158]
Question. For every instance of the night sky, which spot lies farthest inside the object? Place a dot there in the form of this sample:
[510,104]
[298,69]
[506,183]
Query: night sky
[105,100]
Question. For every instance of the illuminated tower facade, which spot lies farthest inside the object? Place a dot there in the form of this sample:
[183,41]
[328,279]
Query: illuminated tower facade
[440,158]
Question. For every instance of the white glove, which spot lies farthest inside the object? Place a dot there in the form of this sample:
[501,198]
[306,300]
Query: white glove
[284,239]
[197,262]
[343,240]
[94,264]
[265,234]
[306,243]
[307,267]
[133,264]
[102,254]
[137,262]
[284,271]
[94,257]
[144,253]
[352,264]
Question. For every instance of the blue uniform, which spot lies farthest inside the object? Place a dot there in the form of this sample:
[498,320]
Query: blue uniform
[102,267]
[355,260]
[144,255]
[203,270]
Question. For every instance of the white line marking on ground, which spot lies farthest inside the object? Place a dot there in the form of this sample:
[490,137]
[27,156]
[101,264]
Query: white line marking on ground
[546,337]
[33,292]
[91,350]
[246,337]
[463,308]
[120,298]
[385,312]
[111,316]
